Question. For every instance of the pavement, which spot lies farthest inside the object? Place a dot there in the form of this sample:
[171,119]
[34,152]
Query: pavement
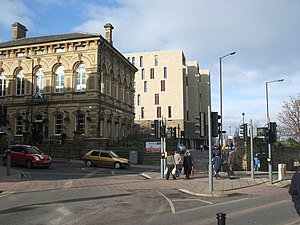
[198,185]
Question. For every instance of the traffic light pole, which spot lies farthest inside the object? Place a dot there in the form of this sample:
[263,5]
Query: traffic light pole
[210,177]
[270,158]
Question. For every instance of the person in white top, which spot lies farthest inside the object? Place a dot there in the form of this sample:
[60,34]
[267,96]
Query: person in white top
[177,158]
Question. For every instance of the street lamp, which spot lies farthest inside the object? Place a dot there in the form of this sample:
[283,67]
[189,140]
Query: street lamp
[221,100]
[269,145]
[31,98]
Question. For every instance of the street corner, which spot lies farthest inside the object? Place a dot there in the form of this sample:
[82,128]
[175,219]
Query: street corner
[213,194]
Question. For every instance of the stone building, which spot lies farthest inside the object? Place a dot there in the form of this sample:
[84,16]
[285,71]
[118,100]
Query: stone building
[168,86]
[74,83]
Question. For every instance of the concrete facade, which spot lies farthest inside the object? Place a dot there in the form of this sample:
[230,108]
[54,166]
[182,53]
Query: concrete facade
[166,86]
[75,83]
[159,87]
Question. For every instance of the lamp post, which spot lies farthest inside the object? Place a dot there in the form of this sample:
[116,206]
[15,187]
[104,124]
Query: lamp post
[269,144]
[221,101]
[31,98]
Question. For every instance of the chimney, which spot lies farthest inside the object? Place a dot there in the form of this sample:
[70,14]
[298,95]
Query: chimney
[108,32]
[19,31]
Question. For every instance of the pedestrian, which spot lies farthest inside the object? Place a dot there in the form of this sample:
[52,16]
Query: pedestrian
[177,158]
[294,190]
[63,137]
[256,162]
[170,165]
[296,164]
[187,164]
[217,163]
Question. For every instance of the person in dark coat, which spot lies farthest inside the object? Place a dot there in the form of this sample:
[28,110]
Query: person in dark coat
[294,190]
[187,164]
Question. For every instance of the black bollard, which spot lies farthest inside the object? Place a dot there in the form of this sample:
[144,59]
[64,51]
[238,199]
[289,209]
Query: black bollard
[221,217]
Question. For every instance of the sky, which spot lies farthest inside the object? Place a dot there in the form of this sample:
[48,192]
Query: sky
[264,34]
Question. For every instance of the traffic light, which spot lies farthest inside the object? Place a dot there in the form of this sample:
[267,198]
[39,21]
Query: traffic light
[173,129]
[163,130]
[182,134]
[156,129]
[272,132]
[245,131]
[215,125]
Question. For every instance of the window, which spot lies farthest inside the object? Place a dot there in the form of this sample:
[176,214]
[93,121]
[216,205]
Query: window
[142,113]
[81,78]
[58,124]
[151,73]
[141,61]
[165,72]
[169,111]
[158,112]
[80,122]
[19,125]
[138,99]
[20,82]
[80,48]
[59,79]
[162,85]
[156,60]
[59,50]
[116,130]
[108,83]
[39,92]
[143,74]
[156,96]
[145,86]
[133,61]
[2,84]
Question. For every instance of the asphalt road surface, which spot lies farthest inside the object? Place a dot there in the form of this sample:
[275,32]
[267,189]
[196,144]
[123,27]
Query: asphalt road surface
[75,194]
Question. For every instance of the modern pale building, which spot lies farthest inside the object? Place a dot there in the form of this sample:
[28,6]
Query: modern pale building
[76,83]
[166,86]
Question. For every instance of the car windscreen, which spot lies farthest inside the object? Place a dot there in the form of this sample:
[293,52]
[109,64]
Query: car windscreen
[33,150]
[114,155]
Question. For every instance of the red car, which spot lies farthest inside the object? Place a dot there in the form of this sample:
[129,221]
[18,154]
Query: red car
[27,155]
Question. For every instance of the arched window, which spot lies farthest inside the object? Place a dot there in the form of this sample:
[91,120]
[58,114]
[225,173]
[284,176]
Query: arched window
[81,78]
[59,79]
[39,92]
[20,82]
[2,84]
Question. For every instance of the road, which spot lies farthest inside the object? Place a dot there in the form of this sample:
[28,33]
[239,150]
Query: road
[75,194]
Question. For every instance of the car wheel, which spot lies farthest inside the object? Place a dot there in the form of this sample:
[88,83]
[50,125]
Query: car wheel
[88,163]
[5,161]
[28,164]
[117,165]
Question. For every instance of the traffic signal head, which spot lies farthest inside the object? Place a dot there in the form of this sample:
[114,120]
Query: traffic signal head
[215,124]
[163,130]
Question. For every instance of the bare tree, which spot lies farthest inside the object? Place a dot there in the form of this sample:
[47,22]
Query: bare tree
[290,118]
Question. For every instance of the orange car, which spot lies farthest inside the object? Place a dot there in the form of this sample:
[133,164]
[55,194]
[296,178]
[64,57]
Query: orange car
[105,159]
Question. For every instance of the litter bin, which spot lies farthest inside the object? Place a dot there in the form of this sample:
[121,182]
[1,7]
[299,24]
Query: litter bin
[281,171]
[133,157]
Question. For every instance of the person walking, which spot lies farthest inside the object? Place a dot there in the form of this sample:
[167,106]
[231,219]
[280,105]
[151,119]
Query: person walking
[217,163]
[170,165]
[294,190]
[296,164]
[187,164]
[256,162]
[177,158]
[230,162]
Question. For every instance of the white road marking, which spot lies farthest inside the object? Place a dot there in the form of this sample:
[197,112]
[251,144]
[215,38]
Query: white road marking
[169,201]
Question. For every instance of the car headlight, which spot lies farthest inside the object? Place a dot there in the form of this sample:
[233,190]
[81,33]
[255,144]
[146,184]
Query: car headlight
[36,158]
